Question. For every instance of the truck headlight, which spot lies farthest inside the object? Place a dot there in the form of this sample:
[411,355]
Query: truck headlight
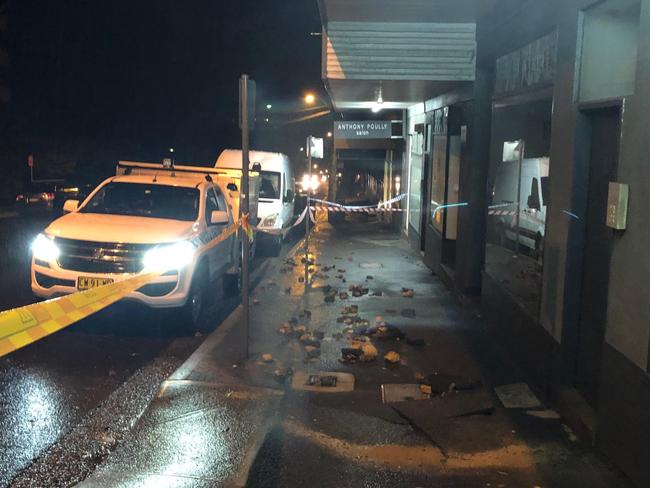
[270,220]
[44,249]
[173,256]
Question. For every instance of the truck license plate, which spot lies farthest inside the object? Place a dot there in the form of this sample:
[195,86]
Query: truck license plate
[87,283]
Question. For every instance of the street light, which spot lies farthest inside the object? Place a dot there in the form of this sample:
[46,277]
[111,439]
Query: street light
[329,134]
[310,98]
[269,106]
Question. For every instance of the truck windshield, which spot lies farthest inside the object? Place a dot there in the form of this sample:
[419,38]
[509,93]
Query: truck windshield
[145,200]
[270,185]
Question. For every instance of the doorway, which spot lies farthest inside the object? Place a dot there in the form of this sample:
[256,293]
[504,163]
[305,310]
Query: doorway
[603,163]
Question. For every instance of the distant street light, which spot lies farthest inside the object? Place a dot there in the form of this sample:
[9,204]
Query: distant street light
[269,106]
[310,98]
[329,134]
[171,149]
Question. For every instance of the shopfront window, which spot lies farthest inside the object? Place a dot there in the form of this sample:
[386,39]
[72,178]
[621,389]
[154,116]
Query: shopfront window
[415,187]
[519,199]
[439,170]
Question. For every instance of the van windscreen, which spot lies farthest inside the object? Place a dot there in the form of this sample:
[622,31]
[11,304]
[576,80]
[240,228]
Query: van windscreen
[270,185]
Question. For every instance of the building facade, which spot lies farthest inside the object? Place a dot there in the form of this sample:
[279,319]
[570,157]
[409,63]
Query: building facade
[525,127]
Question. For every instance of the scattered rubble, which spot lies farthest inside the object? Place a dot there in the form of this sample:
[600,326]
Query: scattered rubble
[267,358]
[387,332]
[392,357]
[408,292]
[282,374]
[343,295]
[350,310]
[358,290]
[359,351]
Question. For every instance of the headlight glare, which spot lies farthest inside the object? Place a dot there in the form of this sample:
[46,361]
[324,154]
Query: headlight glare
[44,249]
[173,256]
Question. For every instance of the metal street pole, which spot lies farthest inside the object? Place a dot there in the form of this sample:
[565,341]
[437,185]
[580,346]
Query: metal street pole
[522,148]
[308,211]
[244,209]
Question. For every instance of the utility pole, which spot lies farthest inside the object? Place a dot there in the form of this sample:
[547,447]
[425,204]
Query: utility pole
[522,148]
[244,204]
[307,216]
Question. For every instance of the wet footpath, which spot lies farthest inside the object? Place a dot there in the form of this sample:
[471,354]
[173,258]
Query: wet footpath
[371,375]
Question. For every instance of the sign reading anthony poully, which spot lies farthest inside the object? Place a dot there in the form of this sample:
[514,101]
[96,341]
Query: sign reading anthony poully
[363,129]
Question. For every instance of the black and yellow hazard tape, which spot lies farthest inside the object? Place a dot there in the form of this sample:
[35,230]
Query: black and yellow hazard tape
[25,325]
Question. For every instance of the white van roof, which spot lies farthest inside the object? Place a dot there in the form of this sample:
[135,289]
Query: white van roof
[270,161]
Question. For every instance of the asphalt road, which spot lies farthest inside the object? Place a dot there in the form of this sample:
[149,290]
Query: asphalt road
[50,388]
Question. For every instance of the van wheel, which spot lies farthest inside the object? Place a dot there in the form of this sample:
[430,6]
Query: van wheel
[192,311]
[275,246]
[539,247]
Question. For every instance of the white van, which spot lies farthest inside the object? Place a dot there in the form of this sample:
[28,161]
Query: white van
[276,195]
[532,202]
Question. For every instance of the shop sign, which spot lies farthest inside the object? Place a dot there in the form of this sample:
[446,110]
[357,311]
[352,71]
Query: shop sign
[363,129]
[530,67]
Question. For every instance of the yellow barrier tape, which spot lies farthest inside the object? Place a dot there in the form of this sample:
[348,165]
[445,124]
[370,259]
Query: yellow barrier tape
[25,325]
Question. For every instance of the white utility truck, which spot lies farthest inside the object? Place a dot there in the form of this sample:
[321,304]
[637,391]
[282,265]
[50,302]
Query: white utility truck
[276,191]
[156,217]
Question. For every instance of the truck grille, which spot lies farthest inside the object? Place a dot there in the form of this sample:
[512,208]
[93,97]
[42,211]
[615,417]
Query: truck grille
[101,257]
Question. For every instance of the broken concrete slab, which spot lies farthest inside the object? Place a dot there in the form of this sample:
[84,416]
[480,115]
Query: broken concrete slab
[517,395]
[443,383]
[393,393]
[452,405]
[544,414]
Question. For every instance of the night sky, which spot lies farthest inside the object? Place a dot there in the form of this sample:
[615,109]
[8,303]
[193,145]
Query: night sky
[95,81]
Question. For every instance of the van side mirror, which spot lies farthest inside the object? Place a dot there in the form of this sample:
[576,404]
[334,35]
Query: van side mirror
[219,217]
[70,206]
[534,203]
[288,198]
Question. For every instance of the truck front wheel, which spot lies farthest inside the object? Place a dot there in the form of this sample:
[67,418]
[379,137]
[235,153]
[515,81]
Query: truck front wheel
[192,312]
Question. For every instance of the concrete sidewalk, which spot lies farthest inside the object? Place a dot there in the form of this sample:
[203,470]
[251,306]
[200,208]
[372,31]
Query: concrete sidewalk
[218,422]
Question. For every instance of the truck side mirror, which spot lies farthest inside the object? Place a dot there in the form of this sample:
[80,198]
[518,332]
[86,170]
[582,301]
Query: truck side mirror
[70,206]
[219,217]
[288,198]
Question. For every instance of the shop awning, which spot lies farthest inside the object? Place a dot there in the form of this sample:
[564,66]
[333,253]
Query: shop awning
[396,53]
